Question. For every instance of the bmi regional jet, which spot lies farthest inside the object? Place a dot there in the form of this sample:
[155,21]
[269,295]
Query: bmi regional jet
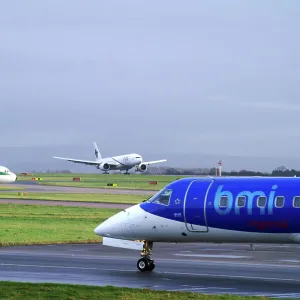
[122,162]
[6,176]
[210,209]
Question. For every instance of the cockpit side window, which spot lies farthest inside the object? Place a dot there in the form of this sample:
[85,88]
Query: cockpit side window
[163,197]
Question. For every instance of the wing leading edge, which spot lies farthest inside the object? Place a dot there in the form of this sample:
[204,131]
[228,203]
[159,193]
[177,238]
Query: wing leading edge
[153,162]
[78,161]
[86,162]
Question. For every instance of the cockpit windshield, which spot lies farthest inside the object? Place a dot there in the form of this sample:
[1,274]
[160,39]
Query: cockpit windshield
[162,197]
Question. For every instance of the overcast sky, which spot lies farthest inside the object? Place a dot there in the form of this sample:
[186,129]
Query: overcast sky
[219,77]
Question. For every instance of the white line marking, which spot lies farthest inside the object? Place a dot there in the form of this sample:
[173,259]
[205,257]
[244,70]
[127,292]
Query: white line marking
[284,294]
[172,273]
[212,255]
[43,266]
[276,264]
[233,276]
[200,288]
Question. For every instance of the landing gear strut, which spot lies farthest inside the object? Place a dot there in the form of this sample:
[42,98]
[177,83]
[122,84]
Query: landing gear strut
[126,173]
[146,263]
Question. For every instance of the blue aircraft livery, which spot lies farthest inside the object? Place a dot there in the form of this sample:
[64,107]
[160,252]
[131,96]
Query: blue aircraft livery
[209,209]
[250,204]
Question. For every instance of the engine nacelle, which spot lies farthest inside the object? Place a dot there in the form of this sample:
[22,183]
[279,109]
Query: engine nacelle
[141,168]
[104,167]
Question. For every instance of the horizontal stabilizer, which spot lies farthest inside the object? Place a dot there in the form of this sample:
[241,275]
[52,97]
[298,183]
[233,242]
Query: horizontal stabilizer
[134,245]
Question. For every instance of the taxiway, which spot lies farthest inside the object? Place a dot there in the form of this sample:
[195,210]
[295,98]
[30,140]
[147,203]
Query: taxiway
[39,188]
[270,270]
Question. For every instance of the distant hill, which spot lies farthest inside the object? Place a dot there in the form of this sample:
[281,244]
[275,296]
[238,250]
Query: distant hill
[39,159]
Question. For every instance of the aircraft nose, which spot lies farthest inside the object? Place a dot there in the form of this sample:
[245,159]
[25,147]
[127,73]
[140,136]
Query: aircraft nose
[120,225]
[101,229]
[111,227]
[12,177]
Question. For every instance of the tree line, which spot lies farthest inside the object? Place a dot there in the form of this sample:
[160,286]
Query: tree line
[280,171]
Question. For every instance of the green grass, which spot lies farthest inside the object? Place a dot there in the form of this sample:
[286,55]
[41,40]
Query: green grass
[133,181]
[10,188]
[121,185]
[39,291]
[36,224]
[107,198]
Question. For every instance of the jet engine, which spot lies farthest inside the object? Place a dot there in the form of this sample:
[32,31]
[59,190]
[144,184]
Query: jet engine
[141,168]
[104,167]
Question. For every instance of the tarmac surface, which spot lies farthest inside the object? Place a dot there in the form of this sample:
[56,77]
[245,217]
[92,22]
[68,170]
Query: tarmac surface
[67,203]
[269,270]
[34,187]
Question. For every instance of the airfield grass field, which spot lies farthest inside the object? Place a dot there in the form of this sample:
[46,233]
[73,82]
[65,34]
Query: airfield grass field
[121,185]
[28,291]
[10,188]
[36,224]
[132,181]
[87,197]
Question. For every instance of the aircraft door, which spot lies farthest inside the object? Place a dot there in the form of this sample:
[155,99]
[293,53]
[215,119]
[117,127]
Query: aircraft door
[195,206]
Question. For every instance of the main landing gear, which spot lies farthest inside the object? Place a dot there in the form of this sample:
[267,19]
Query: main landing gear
[146,263]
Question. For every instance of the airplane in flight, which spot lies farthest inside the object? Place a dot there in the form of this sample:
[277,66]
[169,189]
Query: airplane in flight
[6,176]
[209,209]
[121,162]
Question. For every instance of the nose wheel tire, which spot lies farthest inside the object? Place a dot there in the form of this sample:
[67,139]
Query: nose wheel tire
[145,264]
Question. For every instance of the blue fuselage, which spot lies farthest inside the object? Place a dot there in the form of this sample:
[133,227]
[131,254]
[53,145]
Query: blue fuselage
[256,204]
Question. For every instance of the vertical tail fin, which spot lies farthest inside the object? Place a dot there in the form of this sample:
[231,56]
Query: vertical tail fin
[97,152]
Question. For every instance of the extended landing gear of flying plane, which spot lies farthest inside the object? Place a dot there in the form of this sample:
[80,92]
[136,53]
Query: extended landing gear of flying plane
[146,263]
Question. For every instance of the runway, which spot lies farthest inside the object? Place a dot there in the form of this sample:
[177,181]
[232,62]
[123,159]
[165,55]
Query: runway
[34,187]
[270,270]
[66,203]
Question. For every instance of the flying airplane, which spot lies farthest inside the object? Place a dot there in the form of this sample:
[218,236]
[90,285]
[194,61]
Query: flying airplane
[121,162]
[6,176]
[209,209]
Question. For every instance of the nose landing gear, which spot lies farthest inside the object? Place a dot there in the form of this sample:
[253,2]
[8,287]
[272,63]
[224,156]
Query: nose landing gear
[146,263]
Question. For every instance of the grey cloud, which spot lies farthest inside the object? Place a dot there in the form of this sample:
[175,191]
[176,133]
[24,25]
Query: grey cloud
[160,76]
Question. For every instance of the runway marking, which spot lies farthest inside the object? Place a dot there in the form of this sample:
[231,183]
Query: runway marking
[212,255]
[232,276]
[44,266]
[275,264]
[200,288]
[290,260]
[165,272]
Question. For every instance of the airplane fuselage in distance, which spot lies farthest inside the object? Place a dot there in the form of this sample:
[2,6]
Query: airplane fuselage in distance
[212,209]
[6,176]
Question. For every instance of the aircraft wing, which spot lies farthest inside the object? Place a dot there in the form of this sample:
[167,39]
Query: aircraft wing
[79,161]
[153,162]
[86,162]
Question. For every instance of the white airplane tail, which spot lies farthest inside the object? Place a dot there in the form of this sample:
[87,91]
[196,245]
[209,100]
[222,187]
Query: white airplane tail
[97,152]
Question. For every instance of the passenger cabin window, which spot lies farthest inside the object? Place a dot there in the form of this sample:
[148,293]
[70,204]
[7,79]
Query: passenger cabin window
[223,201]
[296,201]
[162,197]
[241,201]
[279,201]
[261,201]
